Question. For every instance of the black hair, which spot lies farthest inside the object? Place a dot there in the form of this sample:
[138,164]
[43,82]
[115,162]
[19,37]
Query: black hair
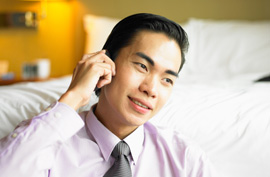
[125,30]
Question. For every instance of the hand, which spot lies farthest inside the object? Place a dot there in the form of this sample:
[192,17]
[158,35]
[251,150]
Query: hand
[93,70]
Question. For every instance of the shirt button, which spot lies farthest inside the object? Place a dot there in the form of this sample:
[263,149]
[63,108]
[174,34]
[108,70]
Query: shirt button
[57,114]
[14,135]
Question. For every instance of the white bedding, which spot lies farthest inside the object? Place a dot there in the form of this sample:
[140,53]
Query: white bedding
[230,121]
[215,100]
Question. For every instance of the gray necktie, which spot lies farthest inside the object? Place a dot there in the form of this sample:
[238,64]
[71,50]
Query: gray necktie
[121,167]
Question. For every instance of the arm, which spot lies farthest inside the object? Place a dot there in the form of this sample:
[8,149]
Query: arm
[31,148]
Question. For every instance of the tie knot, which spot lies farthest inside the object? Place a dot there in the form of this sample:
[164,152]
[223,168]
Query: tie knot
[121,149]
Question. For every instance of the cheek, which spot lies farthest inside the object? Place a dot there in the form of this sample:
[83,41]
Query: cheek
[127,78]
[164,96]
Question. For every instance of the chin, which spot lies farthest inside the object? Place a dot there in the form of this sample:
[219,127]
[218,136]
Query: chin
[139,120]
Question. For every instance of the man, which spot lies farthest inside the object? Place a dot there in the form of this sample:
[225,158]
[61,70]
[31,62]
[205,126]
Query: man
[133,76]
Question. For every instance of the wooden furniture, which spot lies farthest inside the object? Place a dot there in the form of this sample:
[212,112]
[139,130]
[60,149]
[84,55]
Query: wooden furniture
[18,80]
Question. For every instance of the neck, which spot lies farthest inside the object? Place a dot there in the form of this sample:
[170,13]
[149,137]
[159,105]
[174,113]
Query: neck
[113,122]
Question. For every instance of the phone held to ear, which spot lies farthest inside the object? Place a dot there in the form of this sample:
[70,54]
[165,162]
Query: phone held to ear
[108,54]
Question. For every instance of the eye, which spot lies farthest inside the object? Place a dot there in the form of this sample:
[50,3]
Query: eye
[167,80]
[141,66]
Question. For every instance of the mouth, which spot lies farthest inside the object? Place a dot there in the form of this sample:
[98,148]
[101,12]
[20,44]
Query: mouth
[141,103]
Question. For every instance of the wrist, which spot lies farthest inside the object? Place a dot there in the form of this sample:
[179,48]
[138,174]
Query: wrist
[71,99]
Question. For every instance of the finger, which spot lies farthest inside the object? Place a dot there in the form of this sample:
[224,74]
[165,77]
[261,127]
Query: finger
[101,57]
[105,79]
[86,56]
[89,55]
[105,75]
[73,74]
[104,69]
[108,60]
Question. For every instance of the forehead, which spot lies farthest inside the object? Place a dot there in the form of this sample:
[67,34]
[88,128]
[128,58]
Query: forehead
[159,47]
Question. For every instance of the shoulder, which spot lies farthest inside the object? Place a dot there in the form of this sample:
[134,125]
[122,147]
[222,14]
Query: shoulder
[172,140]
[179,149]
[166,134]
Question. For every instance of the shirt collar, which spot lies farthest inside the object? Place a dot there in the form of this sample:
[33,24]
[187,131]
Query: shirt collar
[135,142]
[106,140]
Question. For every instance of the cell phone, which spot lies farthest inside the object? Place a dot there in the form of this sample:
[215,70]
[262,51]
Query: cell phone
[108,53]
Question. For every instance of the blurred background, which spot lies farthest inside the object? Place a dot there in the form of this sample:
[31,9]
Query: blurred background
[50,32]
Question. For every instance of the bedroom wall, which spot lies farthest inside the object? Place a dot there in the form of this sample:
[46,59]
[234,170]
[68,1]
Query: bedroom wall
[178,10]
[53,39]
[60,35]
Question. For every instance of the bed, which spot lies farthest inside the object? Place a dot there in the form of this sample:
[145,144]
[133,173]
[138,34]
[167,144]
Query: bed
[220,99]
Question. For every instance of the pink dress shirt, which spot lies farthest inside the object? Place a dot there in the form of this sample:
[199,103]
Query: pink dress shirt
[61,143]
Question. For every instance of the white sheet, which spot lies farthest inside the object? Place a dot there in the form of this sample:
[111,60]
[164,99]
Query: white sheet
[230,120]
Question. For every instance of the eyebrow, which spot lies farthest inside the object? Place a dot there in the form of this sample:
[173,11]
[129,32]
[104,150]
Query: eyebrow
[148,59]
[151,61]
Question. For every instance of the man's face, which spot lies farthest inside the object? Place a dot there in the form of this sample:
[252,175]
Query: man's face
[145,73]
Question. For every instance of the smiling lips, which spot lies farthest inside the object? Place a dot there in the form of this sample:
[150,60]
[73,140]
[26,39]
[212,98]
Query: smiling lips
[140,106]
[138,103]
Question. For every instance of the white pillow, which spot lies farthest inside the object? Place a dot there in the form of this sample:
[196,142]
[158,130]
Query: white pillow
[223,49]
[97,30]
[25,100]
[218,49]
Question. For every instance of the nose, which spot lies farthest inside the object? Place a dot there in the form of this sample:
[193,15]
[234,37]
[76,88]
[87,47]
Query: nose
[149,86]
